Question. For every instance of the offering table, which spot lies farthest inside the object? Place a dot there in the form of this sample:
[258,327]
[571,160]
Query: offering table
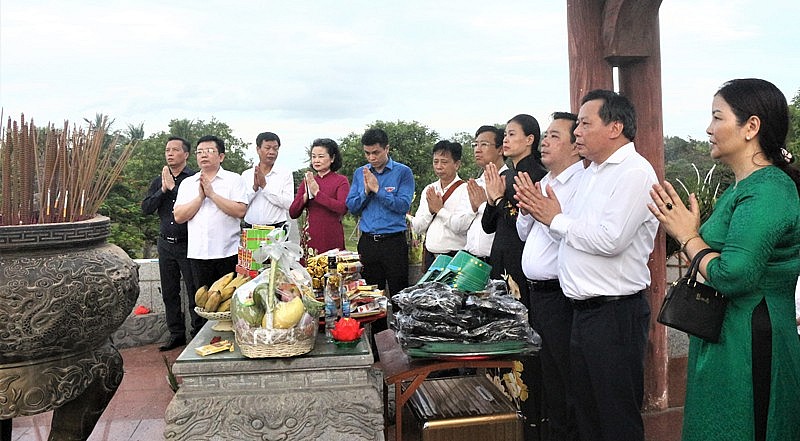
[331,393]
[407,373]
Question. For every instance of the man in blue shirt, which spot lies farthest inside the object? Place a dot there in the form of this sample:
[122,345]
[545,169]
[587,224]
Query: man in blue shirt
[381,194]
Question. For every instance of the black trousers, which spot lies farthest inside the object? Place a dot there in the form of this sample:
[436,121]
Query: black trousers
[551,316]
[607,369]
[208,271]
[384,263]
[172,264]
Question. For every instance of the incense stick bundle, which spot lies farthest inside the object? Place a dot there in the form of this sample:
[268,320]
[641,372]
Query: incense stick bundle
[65,178]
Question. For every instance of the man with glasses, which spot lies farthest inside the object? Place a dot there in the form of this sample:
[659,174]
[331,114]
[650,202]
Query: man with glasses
[488,149]
[172,241]
[212,204]
[381,194]
[270,189]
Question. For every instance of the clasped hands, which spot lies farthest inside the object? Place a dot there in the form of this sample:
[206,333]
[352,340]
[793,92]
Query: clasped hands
[312,186]
[434,199]
[370,181]
[206,189]
[530,200]
[259,179]
[167,180]
[678,221]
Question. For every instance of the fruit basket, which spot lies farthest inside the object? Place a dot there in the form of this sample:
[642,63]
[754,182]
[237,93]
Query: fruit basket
[275,314]
[286,331]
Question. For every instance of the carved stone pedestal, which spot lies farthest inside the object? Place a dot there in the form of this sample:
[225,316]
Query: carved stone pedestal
[330,393]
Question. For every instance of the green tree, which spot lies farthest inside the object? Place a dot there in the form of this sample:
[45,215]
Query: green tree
[690,169]
[191,130]
[681,156]
[469,169]
[134,133]
[793,139]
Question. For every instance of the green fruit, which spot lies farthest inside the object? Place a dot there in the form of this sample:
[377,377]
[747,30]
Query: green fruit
[313,306]
[260,294]
[252,313]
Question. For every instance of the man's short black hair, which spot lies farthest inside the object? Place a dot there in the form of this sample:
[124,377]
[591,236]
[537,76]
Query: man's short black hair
[498,134]
[448,146]
[615,108]
[186,146]
[220,143]
[569,117]
[375,136]
[267,136]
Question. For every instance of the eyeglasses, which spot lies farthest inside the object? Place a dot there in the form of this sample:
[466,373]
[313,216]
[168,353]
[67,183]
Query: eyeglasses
[482,145]
[208,151]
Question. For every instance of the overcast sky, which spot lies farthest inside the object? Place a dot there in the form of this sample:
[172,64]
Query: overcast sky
[328,68]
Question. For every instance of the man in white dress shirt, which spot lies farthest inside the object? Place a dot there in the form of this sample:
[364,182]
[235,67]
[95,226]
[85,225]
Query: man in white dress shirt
[213,202]
[444,213]
[488,148]
[551,313]
[270,189]
[606,240]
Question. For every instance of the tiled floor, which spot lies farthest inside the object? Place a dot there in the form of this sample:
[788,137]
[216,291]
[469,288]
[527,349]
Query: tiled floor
[136,413]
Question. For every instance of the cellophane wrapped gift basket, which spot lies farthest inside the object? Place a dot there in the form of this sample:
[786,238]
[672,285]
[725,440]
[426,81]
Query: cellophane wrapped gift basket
[276,314]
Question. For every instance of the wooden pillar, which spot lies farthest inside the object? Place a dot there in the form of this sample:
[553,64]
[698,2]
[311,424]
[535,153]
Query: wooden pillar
[625,34]
[640,81]
[588,68]
[650,143]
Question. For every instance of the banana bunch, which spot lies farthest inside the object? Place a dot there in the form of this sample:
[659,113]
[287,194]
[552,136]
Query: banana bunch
[218,297]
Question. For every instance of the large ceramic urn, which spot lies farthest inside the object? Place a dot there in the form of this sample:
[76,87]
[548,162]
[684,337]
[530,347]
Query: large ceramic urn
[63,291]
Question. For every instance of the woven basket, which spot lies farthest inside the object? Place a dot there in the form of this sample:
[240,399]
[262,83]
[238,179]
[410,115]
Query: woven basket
[276,350]
[212,315]
[295,346]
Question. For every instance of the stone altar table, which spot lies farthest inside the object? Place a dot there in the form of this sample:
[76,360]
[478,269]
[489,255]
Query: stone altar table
[331,393]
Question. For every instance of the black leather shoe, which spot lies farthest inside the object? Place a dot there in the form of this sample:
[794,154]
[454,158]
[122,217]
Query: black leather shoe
[173,343]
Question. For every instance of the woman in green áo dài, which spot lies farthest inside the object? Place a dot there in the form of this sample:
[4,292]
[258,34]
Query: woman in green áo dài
[746,387]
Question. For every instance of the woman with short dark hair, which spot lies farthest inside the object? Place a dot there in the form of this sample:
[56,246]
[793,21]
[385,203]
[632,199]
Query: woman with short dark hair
[324,194]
